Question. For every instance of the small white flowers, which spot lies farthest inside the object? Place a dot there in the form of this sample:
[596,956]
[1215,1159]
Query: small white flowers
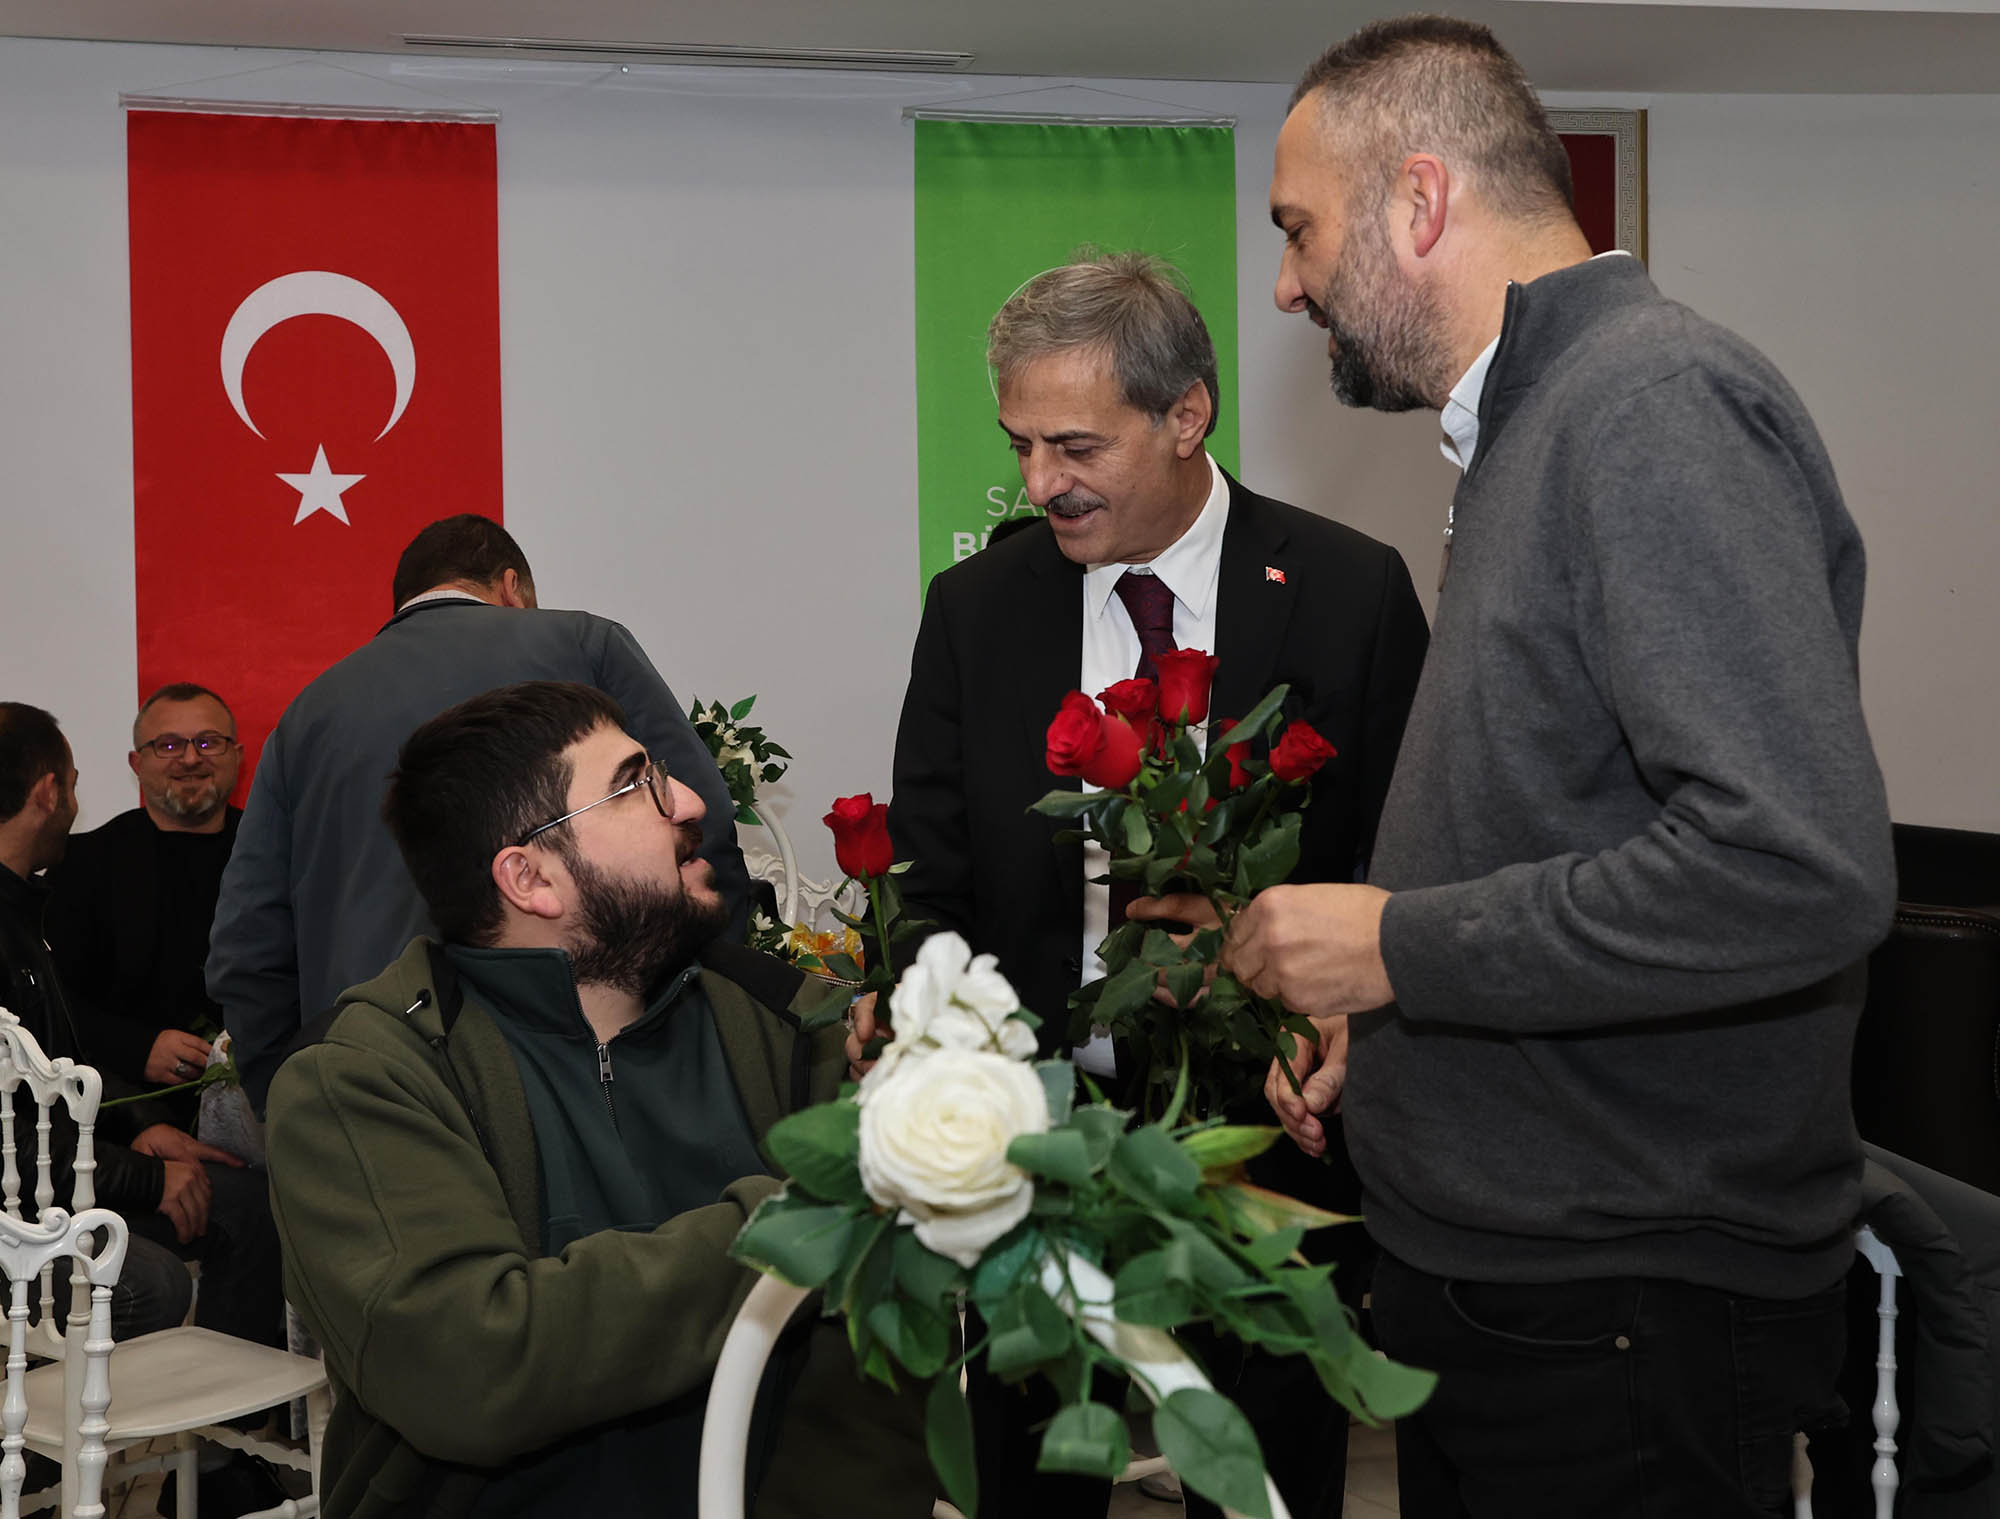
[948,1096]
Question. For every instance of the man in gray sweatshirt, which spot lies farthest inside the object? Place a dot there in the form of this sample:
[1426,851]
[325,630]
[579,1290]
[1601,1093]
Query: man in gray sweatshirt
[1595,1010]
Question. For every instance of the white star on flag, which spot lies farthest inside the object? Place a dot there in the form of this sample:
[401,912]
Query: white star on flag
[320,490]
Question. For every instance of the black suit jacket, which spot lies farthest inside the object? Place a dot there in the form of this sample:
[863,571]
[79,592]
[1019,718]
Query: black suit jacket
[104,928]
[1001,643]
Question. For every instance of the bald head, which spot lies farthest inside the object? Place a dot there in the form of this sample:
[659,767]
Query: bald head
[1432,84]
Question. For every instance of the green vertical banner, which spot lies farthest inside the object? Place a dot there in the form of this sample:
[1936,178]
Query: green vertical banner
[999,203]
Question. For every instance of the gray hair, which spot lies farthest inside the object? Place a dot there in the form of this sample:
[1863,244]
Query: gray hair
[1434,84]
[1131,307]
[180,690]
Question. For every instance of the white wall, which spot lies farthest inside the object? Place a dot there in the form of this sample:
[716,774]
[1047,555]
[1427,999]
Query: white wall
[708,390]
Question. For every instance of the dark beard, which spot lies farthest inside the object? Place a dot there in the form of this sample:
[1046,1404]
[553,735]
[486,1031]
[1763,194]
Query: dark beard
[631,936]
[1402,359]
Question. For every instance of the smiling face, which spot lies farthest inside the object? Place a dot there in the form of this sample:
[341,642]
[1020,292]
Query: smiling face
[1386,330]
[640,899]
[1118,487]
[190,790]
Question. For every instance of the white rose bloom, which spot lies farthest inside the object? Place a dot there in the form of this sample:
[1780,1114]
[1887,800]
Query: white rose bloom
[934,1144]
[958,1001]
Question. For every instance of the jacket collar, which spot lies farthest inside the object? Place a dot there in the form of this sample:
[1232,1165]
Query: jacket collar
[24,897]
[535,989]
[1543,320]
[421,607]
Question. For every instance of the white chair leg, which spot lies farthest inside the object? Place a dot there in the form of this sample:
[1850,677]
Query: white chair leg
[187,1478]
[732,1393]
[1802,1477]
[319,1409]
[1888,1416]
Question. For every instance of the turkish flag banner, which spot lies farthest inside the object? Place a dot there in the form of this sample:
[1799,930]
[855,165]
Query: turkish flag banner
[315,376]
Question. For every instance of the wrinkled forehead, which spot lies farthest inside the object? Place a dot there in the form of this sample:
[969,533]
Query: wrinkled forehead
[200,714]
[1069,390]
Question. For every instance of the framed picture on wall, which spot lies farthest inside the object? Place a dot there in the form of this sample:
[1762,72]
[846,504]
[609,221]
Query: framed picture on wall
[1607,161]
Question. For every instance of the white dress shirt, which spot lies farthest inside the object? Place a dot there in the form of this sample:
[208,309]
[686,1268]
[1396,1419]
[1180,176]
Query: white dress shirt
[1190,566]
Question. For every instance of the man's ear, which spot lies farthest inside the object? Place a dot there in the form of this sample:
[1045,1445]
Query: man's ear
[46,794]
[514,592]
[1427,184]
[132,759]
[1190,418]
[528,881]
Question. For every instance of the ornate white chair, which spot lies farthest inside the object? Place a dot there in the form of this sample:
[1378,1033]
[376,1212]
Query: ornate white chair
[95,1240]
[1886,1415]
[182,1383]
[799,900]
[1085,1292]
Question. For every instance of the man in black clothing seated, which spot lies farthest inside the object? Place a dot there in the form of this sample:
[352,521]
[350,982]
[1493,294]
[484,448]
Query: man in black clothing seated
[183,1199]
[131,903]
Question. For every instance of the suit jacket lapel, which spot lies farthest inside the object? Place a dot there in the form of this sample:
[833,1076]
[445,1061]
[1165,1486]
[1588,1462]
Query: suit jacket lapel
[1048,653]
[1253,609]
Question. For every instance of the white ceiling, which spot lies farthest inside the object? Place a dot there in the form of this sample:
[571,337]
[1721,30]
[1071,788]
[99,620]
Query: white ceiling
[1616,47]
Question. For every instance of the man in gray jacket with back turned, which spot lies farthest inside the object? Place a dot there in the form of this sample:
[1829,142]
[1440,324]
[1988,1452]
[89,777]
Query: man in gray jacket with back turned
[316,898]
[1607,969]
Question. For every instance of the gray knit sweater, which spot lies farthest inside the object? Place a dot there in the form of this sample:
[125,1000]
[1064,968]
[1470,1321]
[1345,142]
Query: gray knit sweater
[1637,837]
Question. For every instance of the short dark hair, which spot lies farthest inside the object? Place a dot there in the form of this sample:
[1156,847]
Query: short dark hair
[1436,84]
[475,778]
[469,548]
[31,746]
[1131,307]
[179,690]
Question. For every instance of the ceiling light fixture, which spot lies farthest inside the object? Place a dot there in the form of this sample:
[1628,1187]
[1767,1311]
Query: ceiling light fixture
[908,59]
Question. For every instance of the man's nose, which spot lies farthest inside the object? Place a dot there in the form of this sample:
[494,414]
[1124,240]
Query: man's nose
[1289,293]
[688,806]
[1046,478]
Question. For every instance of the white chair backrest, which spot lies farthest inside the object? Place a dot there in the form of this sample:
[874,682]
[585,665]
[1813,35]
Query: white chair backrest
[47,1082]
[95,1239]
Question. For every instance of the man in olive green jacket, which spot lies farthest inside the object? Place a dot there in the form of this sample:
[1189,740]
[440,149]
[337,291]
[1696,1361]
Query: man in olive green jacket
[507,1171]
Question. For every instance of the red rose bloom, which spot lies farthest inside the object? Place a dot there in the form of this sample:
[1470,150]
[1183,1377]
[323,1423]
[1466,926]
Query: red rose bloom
[1185,675]
[1137,701]
[861,844]
[1300,753]
[1074,735]
[1120,752]
[1238,753]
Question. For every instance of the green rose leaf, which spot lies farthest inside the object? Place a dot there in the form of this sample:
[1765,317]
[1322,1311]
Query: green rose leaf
[1213,1450]
[1060,1154]
[1138,832]
[1125,993]
[1059,1082]
[819,1148]
[1156,1288]
[1027,1329]
[1158,948]
[948,1438]
[914,1334]
[1270,860]
[1086,1438]
[1148,1164]
[1273,1250]
[1390,1389]
[1067,804]
[742,709]
[922,1273]
[804,1245]
[1101,1128]
[1256,720]
[1184,983]
[1003,1264]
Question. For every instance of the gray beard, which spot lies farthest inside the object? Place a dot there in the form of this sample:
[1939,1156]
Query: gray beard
[199,811]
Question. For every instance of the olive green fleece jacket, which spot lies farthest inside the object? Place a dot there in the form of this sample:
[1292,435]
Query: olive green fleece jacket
[405,1185]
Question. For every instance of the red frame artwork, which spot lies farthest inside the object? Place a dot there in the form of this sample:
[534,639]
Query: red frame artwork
[1607,159]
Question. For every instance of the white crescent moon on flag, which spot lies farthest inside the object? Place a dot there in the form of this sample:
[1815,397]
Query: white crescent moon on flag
[317,292]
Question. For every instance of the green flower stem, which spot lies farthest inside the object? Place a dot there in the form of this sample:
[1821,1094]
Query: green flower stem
[221,1074]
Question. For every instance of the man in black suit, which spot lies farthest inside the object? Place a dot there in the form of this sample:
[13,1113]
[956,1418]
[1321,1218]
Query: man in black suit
[1107,390]
[131,904]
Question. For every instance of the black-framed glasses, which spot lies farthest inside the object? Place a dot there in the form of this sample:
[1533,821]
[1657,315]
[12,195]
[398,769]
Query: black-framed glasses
[208,744]
[652,777]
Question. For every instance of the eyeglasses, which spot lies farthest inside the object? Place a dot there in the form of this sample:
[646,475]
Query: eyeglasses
[207,744]
[652,778]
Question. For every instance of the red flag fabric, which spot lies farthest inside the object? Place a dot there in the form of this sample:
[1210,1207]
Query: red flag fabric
[315,375]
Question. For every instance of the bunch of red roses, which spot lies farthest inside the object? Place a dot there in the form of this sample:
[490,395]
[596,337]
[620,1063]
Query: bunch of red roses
[1175,815]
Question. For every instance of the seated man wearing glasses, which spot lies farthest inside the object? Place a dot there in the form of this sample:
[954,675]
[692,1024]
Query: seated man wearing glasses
[133,900]
[507,1172]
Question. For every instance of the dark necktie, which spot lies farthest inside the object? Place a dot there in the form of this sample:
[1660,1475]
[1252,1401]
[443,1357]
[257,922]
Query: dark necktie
[1150,601]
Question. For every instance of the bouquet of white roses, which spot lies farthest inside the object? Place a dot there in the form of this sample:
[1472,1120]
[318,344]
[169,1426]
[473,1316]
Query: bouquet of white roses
[960,1172]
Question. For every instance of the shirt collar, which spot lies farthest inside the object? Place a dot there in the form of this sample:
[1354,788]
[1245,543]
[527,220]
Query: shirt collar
[1188,565]
[1461,411]
[446,593]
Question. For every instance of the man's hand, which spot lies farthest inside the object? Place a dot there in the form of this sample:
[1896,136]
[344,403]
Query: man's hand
[184,1197]
[177,1056]
[1317,949]
[172,1144]
[1322,1071]
[1196,912]
[860,1029]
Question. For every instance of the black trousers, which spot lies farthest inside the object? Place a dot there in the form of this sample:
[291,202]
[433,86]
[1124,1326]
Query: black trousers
[1603,1399]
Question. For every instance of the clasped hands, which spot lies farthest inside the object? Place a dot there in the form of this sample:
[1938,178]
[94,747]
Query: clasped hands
[1317,949]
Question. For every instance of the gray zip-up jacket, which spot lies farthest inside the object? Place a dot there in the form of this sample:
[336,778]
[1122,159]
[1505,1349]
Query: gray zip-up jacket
[1637,837]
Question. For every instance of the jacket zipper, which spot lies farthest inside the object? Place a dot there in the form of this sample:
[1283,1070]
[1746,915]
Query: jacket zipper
[604,1081]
